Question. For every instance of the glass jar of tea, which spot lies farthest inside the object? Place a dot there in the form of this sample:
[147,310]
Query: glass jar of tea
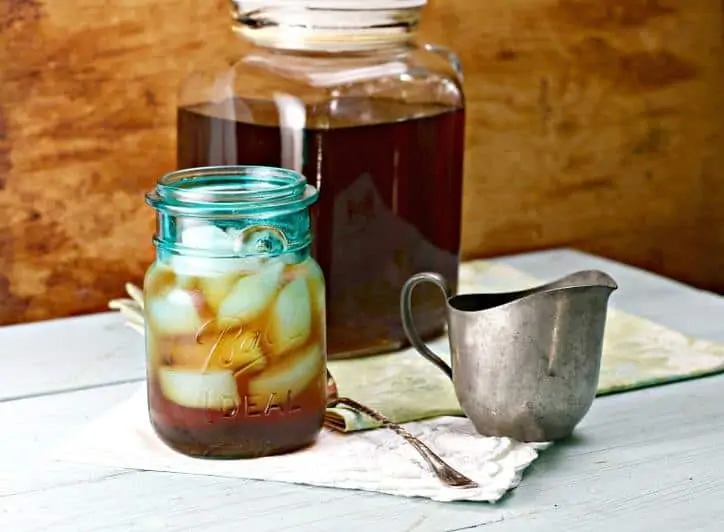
[234,309]
[341,91]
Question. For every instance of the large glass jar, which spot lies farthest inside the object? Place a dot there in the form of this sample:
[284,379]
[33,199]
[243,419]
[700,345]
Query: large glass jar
[235,313]
[340,91]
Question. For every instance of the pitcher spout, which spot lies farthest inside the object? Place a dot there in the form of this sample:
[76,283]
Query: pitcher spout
[601,280]
[585,296]
[583,279]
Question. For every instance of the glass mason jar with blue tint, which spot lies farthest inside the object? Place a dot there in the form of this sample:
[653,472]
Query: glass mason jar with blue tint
[235,313]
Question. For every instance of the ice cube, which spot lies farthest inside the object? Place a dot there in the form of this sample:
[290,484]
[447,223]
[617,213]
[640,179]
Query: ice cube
[186,354]
[174,312]
[206,237]
[292,374]
[216,287]
[291,318]
[212,238]
[315,283]
[214,389]
[211,266]
[252,294]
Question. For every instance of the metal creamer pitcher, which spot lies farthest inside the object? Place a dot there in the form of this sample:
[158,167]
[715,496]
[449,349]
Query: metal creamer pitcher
[525,364]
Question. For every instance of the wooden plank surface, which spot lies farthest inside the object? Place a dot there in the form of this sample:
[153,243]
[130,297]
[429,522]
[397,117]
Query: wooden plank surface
[83,352]
[647,460]
[592,123]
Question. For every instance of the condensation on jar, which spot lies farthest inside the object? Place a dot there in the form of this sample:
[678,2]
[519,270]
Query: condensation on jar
[344,92]
[235,313]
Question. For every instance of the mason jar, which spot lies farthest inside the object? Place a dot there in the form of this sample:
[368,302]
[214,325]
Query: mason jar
[342,92]
[234,310]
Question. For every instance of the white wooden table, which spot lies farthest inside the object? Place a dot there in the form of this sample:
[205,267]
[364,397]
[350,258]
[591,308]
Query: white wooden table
[646,460]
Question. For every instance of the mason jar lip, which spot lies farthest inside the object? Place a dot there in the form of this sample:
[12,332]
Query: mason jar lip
[327,26]
[232,190]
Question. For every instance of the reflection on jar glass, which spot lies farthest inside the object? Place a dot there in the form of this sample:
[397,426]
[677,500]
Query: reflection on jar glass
[379,122]
[235,314]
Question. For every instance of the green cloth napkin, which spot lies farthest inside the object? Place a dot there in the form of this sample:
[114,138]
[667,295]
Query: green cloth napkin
[637,353]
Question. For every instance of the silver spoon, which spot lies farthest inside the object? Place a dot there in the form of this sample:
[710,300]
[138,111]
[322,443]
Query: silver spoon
[443,471]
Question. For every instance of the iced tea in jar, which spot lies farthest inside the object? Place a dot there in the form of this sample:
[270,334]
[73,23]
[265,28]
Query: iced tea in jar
[380,123]
[235,313]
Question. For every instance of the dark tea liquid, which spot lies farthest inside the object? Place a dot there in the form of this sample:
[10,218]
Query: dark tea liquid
[254,429]
[389,206]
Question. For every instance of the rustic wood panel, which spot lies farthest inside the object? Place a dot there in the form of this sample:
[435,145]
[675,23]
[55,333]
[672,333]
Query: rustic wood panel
[593,123]
[596,124]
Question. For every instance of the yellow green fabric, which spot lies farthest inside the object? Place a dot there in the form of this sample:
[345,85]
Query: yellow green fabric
[637,353]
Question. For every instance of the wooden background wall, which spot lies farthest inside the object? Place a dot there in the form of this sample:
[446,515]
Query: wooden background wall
[596,124]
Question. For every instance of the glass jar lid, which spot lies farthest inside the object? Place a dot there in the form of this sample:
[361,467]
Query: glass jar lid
[356,5]
[327,25]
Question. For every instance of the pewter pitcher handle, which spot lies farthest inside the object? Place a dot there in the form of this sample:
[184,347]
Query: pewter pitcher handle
[408,323]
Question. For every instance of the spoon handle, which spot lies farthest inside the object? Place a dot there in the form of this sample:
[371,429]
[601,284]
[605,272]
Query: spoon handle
[442,469]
